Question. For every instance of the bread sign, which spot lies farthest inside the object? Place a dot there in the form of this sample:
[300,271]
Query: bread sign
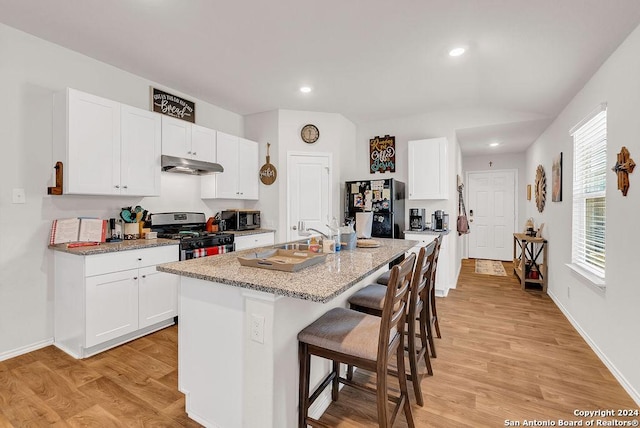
[268,172]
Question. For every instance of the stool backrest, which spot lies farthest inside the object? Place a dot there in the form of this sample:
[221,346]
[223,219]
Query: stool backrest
[436,254]
[395,307]
[422,273]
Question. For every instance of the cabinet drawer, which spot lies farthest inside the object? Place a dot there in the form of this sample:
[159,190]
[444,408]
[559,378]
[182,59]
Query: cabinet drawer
[421,238]
[253,241]
[132,259]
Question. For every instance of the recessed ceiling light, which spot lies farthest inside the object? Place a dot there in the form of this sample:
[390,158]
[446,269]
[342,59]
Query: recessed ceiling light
[305,89]
[457,51]
[494,144]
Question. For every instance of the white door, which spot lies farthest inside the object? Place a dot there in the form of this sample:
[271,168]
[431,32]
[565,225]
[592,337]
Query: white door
[491,212]
[308,192]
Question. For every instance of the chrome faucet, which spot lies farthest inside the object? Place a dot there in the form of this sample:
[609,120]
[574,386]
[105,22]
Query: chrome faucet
[316,230]
[303,231]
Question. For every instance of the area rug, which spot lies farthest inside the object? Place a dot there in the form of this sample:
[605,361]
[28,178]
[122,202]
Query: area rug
[490,267]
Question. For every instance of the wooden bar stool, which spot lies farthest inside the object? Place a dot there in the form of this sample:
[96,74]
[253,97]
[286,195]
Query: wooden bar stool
[434,311]
[371,300]
[350,337]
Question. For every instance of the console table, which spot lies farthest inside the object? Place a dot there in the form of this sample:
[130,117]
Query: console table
[530,260]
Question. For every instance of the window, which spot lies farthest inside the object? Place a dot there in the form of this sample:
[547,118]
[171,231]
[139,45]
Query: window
[589,186]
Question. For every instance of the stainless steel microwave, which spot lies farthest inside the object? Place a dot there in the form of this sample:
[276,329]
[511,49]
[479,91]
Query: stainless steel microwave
[241,219]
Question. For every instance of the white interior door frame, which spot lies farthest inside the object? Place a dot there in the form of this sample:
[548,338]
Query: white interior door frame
[515,200]
[290,156]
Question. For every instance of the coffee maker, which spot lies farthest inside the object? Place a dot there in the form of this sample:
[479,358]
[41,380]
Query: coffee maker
[417,218]
[440,220]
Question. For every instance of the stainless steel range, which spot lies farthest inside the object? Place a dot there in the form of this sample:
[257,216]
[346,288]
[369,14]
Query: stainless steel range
[190,229]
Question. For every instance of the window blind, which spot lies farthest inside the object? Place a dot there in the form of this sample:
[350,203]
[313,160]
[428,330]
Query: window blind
[589,186]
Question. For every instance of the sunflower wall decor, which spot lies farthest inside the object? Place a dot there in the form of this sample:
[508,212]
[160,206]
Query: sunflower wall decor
[541,188]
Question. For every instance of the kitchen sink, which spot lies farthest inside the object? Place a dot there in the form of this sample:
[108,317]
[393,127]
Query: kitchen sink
[302,246]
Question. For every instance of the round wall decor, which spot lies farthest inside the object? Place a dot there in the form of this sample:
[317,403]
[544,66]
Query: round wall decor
[541,188]
[310,134]
[268,172]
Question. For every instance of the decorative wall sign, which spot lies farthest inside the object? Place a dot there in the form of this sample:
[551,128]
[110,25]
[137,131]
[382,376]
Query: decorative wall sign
[541,188]
[171,105]
[268,172]
[623,167]
[382,154]
[556,179]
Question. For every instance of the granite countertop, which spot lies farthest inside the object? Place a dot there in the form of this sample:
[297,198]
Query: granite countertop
[249,232]
[319,283]
[428,232]
[111,247]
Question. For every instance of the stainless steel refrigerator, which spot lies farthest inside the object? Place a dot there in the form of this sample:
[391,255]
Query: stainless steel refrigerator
[385,198]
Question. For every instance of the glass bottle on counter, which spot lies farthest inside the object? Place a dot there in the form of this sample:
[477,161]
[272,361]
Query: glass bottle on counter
[335,232]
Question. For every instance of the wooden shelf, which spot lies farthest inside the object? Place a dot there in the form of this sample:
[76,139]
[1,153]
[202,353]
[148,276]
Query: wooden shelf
[530,260]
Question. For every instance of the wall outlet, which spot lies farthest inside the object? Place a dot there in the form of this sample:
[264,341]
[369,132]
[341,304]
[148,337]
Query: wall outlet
[257,328]
[18,196]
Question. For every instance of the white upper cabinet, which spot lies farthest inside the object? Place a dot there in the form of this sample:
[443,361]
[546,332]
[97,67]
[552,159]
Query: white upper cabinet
[186,140]
[240,159]
[140,151]
[106,148]
[248,169]
[428,171]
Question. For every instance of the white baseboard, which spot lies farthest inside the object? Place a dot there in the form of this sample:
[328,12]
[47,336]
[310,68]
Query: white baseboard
[26,349]
[616,373]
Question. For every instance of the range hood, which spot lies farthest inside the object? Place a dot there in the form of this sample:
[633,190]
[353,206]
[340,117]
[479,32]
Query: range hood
[189,166]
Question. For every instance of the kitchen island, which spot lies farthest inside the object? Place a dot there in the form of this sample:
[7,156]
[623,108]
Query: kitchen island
[237,337]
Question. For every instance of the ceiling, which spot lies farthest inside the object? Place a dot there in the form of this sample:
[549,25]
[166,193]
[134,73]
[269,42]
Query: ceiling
[366,59]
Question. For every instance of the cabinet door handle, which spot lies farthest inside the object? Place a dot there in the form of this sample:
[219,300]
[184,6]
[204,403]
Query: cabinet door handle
[117,186]
[144,276]
[189,152]
[125,187]
[194,153]
[135,277]
[139,259]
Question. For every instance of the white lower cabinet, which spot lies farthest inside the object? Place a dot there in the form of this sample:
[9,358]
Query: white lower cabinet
[112,306]
[107,299]
[443,281]
[244,242]
[158,296]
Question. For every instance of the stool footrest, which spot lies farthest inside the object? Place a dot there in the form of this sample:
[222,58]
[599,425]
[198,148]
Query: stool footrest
[322,387]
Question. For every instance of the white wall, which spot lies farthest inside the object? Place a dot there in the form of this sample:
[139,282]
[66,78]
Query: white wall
[608,320]
[337,136]
[263,127]
[31,70]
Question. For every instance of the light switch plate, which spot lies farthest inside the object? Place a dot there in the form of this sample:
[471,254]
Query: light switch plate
[18,196]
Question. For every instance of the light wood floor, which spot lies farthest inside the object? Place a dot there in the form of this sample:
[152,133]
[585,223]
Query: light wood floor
[504,354]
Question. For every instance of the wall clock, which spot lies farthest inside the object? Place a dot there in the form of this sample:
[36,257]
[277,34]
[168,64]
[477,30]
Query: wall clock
[310,134]
[541,188]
